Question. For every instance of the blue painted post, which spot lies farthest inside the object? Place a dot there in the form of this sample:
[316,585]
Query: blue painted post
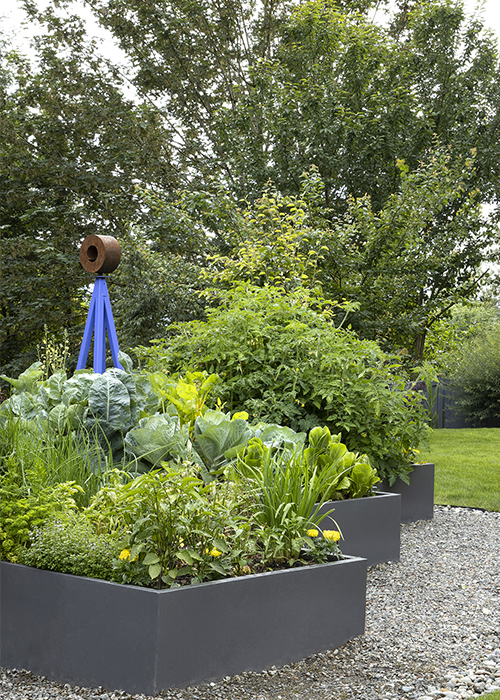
[99,320]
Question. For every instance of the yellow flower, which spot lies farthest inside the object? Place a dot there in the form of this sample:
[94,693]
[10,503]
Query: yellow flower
[125,554]
[312,533]
[214,552]
[331,535]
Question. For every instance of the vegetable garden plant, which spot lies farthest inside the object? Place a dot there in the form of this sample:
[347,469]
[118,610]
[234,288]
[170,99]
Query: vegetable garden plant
[141,477]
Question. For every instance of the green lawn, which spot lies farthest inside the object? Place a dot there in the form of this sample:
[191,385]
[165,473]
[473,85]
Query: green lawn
[467,467]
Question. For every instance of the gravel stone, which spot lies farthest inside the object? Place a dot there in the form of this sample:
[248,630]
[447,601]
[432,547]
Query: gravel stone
[432,631]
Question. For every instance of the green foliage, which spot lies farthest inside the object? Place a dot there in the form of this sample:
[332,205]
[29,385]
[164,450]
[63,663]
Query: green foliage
[352,474]
[267,91]
[477,378]
[447,337]
[416,257]
[278,241]
[52,354]
[24,507]
[189,395]
[176,526]
[281,359]
[428,377]
[30,451]
[400,269]
[73,150]
[218,437]
[70,545]
[325,467]
[351,97]
[98,409]
[289,495]
[156,439]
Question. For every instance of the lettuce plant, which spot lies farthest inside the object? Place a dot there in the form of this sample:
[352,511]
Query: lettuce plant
[355,477]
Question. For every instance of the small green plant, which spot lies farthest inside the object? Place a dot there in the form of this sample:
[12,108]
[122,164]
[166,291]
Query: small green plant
[24,508]
[323,544]
[354,476]
[69,544]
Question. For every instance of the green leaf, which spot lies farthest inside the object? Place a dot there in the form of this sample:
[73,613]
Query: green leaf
[154,571]
[217,567]
[185,556]
[151,558]
[110,400]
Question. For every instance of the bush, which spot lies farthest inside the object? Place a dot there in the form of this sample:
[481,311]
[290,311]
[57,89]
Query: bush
[70,545]
[281,359]
[23,508]
[447,337]
[477,378]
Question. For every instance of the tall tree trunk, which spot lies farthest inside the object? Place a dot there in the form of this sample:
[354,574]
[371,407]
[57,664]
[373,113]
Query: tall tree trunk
[418,352]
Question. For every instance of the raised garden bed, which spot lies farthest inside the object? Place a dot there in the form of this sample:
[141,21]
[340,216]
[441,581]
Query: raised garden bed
[370,526]
[96,633]
[417,497]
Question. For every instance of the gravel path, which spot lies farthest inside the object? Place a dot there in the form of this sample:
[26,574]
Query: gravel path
[432,630]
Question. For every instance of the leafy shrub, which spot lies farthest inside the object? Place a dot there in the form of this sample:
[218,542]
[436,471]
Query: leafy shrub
[477,378]
[281,359]
[22,509]
[447,337]
[70,545]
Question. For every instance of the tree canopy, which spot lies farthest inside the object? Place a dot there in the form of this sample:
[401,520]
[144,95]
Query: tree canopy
[219,98]
[254,90]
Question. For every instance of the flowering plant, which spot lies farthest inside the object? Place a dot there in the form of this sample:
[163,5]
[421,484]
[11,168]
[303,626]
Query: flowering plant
[323,544]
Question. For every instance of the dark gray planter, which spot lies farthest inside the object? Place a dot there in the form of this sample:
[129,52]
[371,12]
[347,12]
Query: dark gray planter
[370,526]
[92,633]
[417,498]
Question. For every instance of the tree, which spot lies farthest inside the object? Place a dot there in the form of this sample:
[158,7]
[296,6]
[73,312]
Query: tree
[353,98]
[450,339]
[404,266]
[263,90]
[234,94]
[73,149]
[160,280]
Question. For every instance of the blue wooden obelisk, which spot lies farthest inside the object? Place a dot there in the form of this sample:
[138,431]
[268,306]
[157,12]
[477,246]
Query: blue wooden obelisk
[99,254]
[99,320]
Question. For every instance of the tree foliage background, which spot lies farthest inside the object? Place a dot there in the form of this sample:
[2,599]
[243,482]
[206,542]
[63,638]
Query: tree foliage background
[400,123]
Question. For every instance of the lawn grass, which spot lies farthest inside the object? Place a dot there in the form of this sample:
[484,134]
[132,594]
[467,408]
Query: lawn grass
[467,467]
[495,695]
